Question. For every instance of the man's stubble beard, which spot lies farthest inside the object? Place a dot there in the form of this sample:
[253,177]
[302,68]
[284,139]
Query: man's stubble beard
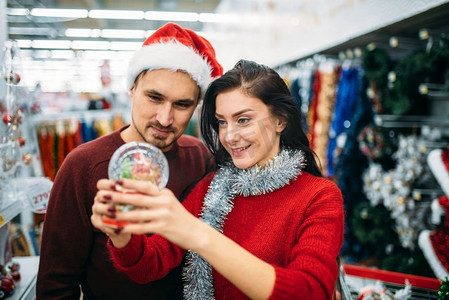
[158,140]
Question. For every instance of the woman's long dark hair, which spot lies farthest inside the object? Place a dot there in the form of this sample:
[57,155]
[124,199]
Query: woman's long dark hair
[264,83]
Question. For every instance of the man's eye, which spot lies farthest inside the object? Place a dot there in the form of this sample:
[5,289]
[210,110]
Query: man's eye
[183,105]
[155,98]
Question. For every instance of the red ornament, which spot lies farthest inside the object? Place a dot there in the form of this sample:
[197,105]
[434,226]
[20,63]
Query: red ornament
[7,119]
[21,141]
[445,158]
[12,78]
[14,270]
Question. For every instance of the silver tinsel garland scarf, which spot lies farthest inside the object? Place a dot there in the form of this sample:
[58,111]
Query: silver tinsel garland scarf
[218,203]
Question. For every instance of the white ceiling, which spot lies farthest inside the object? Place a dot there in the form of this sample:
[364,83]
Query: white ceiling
[273,32]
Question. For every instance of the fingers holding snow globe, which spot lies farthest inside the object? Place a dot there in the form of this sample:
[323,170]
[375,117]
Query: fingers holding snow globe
[132,167]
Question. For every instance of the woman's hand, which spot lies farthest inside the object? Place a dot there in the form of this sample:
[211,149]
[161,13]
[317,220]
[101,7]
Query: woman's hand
[155,211]
[103,210]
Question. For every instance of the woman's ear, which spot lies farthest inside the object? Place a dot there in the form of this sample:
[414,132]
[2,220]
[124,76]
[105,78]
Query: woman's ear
[281,123]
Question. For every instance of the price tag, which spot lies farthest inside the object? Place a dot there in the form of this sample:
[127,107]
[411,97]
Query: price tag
[37,191]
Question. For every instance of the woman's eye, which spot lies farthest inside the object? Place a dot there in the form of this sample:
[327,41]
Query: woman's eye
[243,121]
[221,122]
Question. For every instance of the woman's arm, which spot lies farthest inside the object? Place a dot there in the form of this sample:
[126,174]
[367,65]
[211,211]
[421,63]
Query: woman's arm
[251,275]
[163,214]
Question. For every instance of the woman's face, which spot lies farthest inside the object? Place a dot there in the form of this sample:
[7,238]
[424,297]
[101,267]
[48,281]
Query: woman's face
[247,129]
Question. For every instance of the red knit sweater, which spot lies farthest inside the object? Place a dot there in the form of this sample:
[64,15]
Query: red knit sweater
[298,229]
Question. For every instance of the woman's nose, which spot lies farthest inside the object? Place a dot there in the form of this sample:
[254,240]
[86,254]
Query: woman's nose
[232,134]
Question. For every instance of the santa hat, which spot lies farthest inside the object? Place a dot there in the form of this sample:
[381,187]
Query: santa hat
[434,244]
[438,161]
[176,48]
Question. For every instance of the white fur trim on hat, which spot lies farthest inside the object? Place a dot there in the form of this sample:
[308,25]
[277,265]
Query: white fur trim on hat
[171,55]
[426,246]
[436,165]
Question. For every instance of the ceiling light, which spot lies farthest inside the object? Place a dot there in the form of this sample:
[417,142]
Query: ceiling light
[17,11]
[171,16]
[116,14]
[62,54]
[99,55]
[62,13]
[217,18]
[31,30]
[123,14]
[40,54]
[51,44]
[95,33]
[78,32]
[82,32]
[125,46]
[124,34]
[93,45]
[24,43]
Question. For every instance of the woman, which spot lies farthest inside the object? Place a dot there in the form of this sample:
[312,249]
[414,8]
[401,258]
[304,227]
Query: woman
[265,225]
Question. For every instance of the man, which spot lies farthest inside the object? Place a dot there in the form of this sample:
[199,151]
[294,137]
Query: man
[167,78]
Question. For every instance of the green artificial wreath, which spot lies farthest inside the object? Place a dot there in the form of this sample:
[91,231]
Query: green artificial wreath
[421,66]
[376,64]
[443,292]
[374,229]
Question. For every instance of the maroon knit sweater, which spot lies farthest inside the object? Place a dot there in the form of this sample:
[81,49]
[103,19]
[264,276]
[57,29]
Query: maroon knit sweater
[73,253]
[298,229]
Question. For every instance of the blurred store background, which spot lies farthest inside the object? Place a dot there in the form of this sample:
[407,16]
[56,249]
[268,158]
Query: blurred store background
[371,78]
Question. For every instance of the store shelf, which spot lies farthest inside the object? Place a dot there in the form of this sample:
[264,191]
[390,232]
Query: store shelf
[26,287]
[10,210]
[422,288]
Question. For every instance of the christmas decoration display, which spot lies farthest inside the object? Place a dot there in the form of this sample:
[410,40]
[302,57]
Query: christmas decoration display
[438,161]
[376,65]
[347,93]
[138,161]
[425,65]
[377,145]
[14,270]
[349,168]
[10,138]
[322,102]
[300,87]
[378,291]
[393,188]
[435,243]
[9,277]
[443,293]
[394,86]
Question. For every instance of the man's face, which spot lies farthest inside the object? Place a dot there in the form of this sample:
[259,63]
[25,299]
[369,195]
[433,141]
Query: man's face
[163,102]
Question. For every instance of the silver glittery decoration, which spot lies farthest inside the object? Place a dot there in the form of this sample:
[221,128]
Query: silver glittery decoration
[218,203]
